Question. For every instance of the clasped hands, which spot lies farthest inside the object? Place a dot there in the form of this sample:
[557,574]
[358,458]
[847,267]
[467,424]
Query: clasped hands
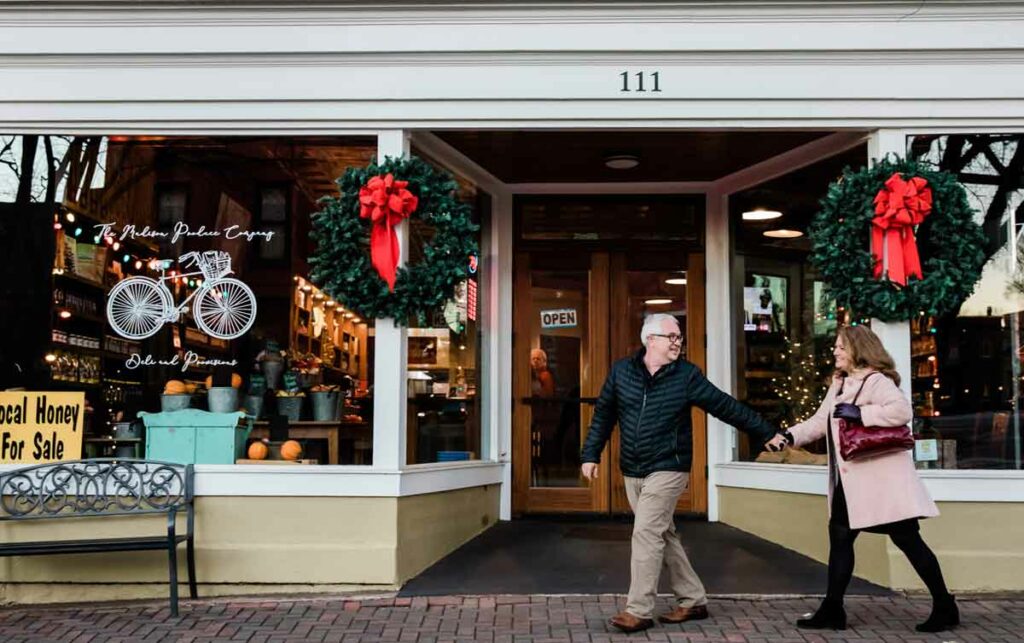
[843,411]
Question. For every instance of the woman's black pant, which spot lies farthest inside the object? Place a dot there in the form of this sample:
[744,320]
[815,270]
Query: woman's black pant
[905,534]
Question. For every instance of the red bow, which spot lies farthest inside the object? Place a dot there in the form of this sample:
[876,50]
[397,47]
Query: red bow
[385,202]
[899,206]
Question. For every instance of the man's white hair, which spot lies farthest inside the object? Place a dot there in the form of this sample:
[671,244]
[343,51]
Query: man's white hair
[652,325]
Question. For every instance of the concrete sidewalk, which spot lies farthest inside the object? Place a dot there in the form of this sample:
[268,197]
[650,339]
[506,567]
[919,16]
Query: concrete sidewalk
[491,619]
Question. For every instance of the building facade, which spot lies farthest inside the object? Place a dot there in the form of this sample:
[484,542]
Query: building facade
[609,151]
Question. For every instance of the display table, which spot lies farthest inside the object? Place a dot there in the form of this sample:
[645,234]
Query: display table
[335,433]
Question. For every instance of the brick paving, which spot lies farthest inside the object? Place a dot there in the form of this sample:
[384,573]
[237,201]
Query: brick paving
[491,619]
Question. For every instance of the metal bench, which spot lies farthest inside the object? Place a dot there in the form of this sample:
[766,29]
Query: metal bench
[103,488]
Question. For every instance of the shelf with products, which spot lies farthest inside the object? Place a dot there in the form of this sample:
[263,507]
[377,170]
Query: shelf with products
[324,329]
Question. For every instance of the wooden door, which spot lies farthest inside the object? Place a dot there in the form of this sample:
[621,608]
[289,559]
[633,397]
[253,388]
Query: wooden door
[560,362]
[579,314]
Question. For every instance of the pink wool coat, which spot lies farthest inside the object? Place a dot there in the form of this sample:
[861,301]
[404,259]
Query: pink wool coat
[878,490]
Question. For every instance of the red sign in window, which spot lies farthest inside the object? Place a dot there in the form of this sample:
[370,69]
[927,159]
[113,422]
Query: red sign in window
[471,299]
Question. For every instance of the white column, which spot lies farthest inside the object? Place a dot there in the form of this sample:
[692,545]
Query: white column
[895,336]
[501,342]
[390,389]
[721,344]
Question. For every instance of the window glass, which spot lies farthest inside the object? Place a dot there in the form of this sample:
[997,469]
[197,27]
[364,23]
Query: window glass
[966,366]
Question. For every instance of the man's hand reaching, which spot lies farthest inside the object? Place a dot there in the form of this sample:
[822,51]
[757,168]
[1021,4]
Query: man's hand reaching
[589,470]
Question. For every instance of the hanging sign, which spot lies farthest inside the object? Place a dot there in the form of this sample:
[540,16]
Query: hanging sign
[36,428]
[559,318]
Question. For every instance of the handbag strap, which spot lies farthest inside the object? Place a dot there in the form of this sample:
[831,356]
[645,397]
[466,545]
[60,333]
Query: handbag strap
[866,378]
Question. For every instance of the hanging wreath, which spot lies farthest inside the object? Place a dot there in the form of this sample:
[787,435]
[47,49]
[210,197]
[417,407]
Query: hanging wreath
[897,239]
[357,255]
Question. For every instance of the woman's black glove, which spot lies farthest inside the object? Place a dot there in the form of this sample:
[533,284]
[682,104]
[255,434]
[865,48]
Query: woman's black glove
[848,412]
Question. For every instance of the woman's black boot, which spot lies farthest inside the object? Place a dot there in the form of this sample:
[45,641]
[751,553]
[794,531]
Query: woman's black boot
[830,616]
[945,615]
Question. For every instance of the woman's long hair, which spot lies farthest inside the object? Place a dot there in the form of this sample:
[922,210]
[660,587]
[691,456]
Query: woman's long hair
[866,351]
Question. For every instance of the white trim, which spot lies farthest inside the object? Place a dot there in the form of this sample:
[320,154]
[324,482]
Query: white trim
[337,480]
[502,227]
[960,485]
[390,389]
[719,335]
[341,481]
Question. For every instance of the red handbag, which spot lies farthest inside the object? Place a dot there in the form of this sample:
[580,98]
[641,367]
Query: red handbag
[859,442]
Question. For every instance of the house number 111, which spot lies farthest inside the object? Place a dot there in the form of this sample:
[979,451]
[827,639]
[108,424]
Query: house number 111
[651,79]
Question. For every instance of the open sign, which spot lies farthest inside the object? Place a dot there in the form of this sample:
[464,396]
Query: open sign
[560,318]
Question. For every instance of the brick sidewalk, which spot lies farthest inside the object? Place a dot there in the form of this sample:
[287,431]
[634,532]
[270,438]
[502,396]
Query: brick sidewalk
[491,619]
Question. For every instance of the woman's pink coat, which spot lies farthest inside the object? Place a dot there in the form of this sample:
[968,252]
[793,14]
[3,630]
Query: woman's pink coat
[878,490]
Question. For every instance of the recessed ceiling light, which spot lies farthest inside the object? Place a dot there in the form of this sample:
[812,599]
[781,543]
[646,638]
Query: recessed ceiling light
[676,281]
[621,161]
[760,214]
[657,302]
[783,233]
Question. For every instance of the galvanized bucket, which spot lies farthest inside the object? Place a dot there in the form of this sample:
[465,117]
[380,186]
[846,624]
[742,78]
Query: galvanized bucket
[325,405]
[222,399]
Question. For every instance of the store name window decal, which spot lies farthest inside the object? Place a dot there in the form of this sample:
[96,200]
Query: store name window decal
[182,230]
[190,359]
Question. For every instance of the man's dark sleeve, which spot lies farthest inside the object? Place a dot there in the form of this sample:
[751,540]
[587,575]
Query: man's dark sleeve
[605,416]
[727,409]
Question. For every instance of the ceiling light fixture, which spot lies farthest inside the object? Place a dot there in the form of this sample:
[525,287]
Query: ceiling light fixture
[676,281]
[621,161]
[657,302]
[783,233]
[761,214]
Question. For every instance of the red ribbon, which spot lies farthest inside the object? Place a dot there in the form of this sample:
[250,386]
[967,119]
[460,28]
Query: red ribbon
[385,201]
[899,206]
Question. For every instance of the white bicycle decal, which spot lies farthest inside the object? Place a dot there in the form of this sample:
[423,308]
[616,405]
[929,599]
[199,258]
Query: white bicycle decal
[225,308]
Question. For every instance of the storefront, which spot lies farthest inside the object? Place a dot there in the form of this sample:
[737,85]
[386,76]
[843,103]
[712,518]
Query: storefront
[607,153]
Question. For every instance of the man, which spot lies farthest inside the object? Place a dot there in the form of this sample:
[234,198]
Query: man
[650,395]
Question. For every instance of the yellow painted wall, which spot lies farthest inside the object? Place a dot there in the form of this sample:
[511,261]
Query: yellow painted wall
[432,525]
[253,545]
[979,545]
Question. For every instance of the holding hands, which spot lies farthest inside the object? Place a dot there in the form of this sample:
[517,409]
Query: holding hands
[779,442]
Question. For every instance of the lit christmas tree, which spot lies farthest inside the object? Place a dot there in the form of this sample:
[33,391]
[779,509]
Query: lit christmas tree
[804,386]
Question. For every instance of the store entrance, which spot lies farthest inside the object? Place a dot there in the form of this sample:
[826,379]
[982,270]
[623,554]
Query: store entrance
[578,307]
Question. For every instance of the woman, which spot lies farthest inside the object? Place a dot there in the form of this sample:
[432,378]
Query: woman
[881,494]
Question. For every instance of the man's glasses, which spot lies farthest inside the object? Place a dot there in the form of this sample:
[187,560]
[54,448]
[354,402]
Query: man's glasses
[674,338]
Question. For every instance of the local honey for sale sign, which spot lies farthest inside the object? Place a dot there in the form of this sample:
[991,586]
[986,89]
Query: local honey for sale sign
[36,428]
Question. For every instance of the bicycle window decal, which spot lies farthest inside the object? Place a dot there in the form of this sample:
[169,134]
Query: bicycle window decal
[224,307]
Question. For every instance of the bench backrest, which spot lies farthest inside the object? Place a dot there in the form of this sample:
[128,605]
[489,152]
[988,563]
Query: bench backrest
[114,486]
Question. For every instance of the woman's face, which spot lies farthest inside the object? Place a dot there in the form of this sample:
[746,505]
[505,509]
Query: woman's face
[843,360]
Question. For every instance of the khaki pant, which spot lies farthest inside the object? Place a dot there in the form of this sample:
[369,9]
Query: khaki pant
[655,542]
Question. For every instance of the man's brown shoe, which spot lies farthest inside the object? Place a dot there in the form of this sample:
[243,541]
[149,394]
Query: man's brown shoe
[683,614]
[629,623]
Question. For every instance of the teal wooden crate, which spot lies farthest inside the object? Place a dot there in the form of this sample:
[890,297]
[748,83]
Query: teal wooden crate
[191,436]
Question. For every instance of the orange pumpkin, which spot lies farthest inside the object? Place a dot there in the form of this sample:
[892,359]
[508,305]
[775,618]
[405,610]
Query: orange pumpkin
[258,451]
[175,387]
[236,381]
[291,450]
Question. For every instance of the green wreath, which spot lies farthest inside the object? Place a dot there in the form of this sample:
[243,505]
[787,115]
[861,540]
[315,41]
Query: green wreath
[342,266]
[950,244]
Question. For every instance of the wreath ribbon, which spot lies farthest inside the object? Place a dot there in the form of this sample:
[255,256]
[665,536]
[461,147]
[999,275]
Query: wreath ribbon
[386,202]
[899,206]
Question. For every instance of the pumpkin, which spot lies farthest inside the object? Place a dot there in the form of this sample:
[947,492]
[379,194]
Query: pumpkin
[291,450]
[258,451]
[236,381]
[175,387]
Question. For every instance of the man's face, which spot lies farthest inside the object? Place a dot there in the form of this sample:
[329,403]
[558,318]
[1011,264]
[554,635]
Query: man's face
[538,360]
[667,345]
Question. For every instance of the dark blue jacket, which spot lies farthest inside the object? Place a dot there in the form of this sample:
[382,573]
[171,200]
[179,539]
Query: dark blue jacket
[653,413]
